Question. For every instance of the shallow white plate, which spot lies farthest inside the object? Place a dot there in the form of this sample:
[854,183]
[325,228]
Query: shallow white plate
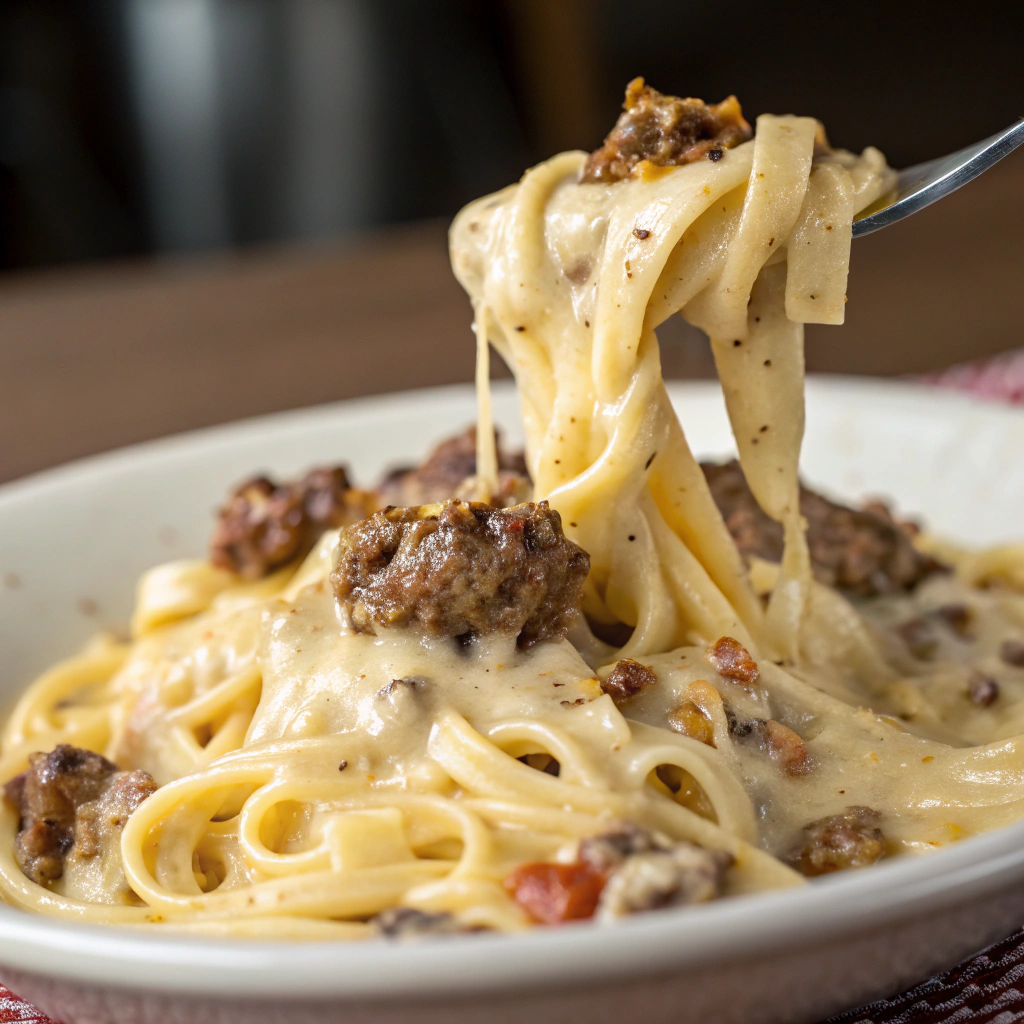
[73,541]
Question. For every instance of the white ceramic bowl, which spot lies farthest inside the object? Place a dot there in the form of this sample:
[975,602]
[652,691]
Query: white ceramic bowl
[73,541]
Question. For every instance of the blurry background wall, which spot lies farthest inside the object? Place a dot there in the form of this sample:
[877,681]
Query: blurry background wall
[142,126]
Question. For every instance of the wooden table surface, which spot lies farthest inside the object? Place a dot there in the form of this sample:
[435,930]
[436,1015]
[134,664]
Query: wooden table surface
[96,357]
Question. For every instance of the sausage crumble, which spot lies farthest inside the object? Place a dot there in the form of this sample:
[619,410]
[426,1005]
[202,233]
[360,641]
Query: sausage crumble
[461,569]
[265,525]
[840,842]
[731,660]
[666,131]
[70,801]
[785,747]
[863,552]
[628,679]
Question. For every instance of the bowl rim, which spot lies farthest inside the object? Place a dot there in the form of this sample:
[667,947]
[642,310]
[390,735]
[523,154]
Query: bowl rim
[743,927]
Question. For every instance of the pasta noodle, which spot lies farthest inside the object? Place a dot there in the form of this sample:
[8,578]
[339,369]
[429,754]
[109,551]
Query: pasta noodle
[311,777]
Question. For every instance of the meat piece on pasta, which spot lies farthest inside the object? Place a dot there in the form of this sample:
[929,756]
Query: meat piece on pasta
[863,552]
[731,660]
[840,842]
[628,679]
[71,803]
[462,569]
[265,525]
[665,131]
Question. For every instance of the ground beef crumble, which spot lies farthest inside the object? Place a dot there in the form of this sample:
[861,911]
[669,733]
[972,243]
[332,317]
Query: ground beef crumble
[785,747]
[628,679]
[666,131]
[265,525]
[70,800]
[840,842]
[731,660]
[864,552]
[462,569]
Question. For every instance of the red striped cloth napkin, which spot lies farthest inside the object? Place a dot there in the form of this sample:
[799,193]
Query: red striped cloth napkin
[988,988]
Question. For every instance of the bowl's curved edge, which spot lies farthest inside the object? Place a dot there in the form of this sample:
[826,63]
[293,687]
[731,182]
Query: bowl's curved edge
[679,939]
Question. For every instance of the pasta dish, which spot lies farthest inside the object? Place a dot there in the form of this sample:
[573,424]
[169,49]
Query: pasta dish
[501,690]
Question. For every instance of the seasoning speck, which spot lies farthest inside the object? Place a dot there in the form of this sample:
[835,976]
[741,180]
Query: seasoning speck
[641,233]
[342,766]
[714,155]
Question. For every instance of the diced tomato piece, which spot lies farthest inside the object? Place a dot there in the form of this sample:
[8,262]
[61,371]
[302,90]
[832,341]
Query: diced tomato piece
[553,893]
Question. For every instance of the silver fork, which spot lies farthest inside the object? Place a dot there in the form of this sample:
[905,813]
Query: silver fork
[923,184]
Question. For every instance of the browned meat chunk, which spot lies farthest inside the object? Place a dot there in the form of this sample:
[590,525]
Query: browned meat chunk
[850,840]
[862,552]
[69,797]
[665,130]
[461,569]
[628,679]
[731,660]
[265,525]
[403,923]
[785,748]
[647,871]
[448,466]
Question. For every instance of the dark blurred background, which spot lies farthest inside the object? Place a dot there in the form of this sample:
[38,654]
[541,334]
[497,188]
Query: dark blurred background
[187,186]
[142,126]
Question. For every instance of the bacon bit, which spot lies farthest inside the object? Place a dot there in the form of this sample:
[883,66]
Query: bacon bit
[733,661]
[839,843]
[628,679]
[554,893]
[786,748]
[690,720]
